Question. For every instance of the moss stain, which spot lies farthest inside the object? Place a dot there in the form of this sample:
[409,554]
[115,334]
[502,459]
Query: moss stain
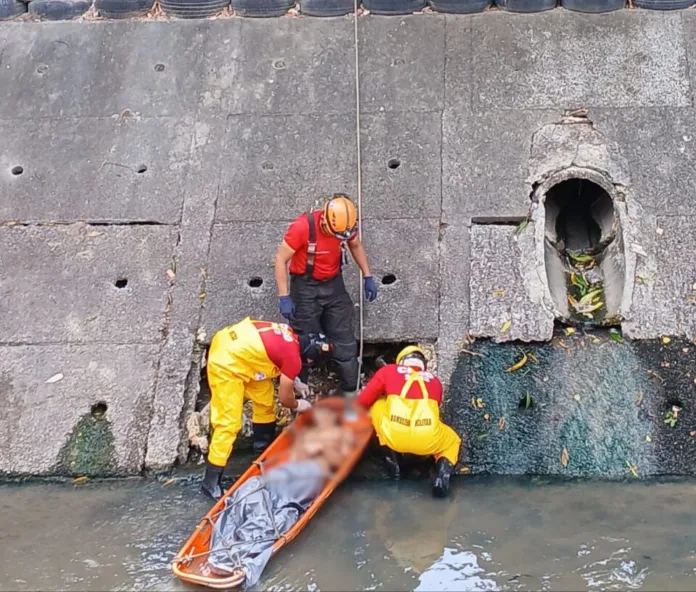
[89,449]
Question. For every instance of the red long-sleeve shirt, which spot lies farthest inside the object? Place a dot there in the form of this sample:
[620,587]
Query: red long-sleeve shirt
[390,379]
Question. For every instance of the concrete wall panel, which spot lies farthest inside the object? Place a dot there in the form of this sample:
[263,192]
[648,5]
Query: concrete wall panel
[485,163]
[59,284]
[401,165]
[408,308]
[92,70]
[279,66]
[240,251]
[275,167]
[564,60]
[99,170]
[397,74]
[659,146]
[41,423]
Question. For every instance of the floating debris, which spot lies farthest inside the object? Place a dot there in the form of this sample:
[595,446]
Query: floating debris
[501,424]
[506,326]
[565,457]
[79,480]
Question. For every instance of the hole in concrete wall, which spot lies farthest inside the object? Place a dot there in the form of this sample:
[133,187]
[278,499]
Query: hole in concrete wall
[99,409]
[394,163]
[584,260]
[255,282]
[376,355]
[140,169]
[526,402]
[17,170]
[121,283]
[388,279]
[159,67]
[579,213]
[673,404]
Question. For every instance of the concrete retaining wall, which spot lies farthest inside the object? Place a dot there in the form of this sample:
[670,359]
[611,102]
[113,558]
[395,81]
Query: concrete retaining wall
[148,170]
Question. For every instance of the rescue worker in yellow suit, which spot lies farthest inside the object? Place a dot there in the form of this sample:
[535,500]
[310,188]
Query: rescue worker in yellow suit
[242,362]
[404,402]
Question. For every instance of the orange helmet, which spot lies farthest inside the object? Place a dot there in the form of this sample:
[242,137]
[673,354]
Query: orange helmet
[340,217]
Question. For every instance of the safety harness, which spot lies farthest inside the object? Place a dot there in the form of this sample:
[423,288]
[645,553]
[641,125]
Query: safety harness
[312,248]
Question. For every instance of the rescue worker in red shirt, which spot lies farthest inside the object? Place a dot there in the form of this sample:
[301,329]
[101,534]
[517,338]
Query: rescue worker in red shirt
[242,362]
[316,301]
[404,402]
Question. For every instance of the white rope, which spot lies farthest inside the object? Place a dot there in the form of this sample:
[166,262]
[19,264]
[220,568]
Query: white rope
[361,316]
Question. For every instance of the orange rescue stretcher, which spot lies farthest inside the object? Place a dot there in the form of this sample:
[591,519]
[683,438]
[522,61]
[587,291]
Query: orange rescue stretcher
[190,564]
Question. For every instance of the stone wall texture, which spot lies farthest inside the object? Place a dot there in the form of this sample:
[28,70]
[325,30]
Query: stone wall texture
[148,171]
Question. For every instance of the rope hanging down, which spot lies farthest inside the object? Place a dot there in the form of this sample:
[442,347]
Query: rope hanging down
[361,316]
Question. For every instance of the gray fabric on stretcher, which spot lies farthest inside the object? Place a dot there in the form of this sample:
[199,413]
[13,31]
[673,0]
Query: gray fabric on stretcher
[259,513]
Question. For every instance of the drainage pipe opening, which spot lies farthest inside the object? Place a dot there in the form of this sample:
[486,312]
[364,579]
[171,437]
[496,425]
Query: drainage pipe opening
[584,258]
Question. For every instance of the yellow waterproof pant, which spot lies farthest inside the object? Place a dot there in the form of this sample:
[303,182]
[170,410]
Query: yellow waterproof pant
[444,441]
[238,369]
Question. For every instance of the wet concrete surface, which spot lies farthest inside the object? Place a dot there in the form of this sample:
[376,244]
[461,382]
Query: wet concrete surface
[493,534]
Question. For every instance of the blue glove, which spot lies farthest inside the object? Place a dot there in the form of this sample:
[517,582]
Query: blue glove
[370,288]
[287,307]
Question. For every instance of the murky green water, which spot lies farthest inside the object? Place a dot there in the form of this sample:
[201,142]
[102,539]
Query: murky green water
[494,534]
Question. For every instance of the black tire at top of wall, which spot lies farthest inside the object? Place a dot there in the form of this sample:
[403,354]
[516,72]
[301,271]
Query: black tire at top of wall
[459,6]
[262,8]
[393,7]
[326,7]
[10,9]
[59,10]
[526,5]
[191,9]
[663,4]
[593,6]
[116,9]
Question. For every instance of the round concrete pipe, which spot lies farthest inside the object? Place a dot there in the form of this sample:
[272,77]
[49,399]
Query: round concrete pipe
[580,219]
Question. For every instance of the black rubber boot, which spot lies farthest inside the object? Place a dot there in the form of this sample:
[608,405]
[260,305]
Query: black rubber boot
[264,434]
[212,480]
[391,462]
[441,482]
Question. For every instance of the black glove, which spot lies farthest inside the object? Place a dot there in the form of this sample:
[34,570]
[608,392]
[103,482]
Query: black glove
[287,307]
[212,480]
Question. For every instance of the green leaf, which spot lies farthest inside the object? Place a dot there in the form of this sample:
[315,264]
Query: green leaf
[615,336]
[581,258]
[521,226]
[527,400]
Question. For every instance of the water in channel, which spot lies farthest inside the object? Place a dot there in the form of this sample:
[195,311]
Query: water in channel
[493,534]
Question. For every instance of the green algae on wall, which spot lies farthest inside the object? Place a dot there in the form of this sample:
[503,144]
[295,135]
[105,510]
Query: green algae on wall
[89,449]
[598,407]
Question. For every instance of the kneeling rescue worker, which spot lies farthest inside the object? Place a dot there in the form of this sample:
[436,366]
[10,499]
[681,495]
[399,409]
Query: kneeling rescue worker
[242,362]
[317,300]
[404,402]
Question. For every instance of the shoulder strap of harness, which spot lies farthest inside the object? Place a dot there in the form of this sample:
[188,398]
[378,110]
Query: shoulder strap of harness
[311,246]
[414,377]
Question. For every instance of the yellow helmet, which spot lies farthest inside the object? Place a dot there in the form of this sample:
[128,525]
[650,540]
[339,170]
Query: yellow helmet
[340,217]
[412,353]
